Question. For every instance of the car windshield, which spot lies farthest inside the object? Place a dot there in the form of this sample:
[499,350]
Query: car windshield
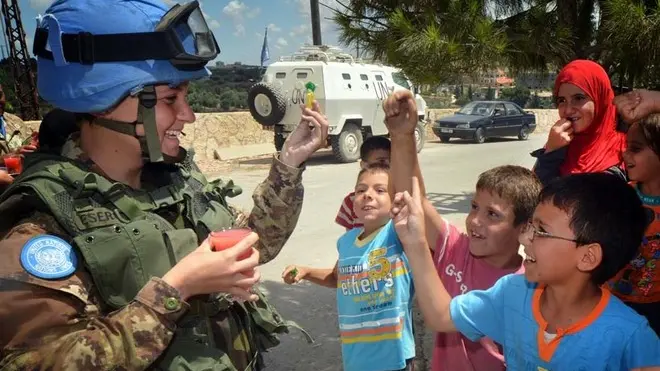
[477,108]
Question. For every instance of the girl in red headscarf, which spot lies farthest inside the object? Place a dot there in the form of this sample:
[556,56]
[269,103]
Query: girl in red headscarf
[585,139]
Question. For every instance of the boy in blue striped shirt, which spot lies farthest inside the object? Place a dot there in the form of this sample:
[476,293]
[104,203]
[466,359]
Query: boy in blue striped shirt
[373,282]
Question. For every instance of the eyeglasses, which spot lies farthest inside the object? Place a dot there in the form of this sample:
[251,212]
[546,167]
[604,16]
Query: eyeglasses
[536,233]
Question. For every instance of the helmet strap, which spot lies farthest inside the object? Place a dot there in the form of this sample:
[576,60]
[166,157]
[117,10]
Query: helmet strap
[149,143]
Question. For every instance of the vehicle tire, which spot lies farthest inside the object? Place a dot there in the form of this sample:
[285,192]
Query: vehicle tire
[267,104]
[523,134]
[420,137]
[346,146]
[479,136]
[280,138]
[445,138]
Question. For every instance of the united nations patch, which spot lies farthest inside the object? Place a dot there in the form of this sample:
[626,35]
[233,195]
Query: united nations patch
[48,257]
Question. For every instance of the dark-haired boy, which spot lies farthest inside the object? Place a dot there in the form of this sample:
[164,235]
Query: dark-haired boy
[558,315]
[502,205]
[373,283]
[374,150]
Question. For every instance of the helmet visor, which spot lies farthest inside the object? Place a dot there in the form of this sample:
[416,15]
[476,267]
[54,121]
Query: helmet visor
[187,25]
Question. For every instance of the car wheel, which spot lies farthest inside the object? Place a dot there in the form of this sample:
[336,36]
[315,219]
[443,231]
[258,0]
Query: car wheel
[267,104]
[479,136]
[445,138]
[346,146]
[524,133]
[420,137]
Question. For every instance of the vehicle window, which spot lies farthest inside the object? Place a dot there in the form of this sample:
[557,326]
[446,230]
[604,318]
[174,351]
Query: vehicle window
[379,78]
[346,76]
[511,110]
[400,79]
[501,108]
[280,75]
[364,77]
[477,108]
[302,75]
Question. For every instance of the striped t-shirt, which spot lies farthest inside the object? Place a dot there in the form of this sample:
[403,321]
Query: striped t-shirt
[346,216]
[374,300]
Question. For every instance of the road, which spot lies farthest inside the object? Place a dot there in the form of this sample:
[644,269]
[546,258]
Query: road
[450,171]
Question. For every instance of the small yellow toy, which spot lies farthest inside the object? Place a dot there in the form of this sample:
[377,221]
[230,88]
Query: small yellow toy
[309,99]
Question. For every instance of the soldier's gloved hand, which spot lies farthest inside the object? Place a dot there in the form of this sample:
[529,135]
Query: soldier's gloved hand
[310,135]
[205,271]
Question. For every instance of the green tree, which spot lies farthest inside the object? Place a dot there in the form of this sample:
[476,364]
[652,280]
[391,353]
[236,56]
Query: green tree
[518,95]
[457,92]
[449,37]
[490,93]
[535,102]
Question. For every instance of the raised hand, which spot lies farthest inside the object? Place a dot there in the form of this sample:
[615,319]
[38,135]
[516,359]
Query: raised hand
[637,104]
[408,217]
[400,113]
[310,135]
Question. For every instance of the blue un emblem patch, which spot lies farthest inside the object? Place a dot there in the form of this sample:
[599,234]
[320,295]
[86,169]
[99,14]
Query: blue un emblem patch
[48,257]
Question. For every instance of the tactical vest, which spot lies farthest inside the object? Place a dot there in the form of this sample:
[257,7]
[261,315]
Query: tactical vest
[124,242]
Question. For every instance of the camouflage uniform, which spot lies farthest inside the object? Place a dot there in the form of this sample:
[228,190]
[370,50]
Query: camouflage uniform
[67,324]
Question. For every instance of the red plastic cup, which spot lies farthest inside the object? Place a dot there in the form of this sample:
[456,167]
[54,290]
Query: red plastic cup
[14,164]
[222,240]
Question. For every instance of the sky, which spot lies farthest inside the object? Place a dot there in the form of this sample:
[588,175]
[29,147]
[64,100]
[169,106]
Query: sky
[238,26]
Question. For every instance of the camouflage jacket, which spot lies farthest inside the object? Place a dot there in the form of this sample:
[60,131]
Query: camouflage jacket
[63,325]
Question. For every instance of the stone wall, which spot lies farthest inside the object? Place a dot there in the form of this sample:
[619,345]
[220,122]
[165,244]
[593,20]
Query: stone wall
[220,130]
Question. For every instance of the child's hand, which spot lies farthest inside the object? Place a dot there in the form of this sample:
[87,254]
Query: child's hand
[408,216]
[560,135]
[637,104]
[400,113]
[293,274]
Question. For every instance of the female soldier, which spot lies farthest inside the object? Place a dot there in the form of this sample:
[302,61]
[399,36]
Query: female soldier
[104,258]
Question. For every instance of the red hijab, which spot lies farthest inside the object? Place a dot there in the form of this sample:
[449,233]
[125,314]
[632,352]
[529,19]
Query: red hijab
[600,146]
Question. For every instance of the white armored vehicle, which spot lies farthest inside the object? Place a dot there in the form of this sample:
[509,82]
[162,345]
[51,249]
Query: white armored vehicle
[350,92]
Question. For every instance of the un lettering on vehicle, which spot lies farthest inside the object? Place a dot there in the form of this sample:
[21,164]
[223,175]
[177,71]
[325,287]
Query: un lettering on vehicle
[381,89]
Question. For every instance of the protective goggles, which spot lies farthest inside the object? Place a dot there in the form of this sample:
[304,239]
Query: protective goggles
[182,36]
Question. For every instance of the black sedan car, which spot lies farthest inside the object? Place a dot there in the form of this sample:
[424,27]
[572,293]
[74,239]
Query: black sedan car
[479,120]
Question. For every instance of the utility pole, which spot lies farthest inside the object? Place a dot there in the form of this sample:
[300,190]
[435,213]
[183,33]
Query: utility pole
[22,71]
[316,22]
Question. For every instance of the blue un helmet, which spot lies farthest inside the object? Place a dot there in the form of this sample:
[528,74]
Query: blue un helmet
[91,54]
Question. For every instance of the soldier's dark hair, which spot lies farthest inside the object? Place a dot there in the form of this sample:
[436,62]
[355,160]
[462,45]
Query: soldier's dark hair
[372,144]
[650,129]
[603,209]
[55,128]
[516,185]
